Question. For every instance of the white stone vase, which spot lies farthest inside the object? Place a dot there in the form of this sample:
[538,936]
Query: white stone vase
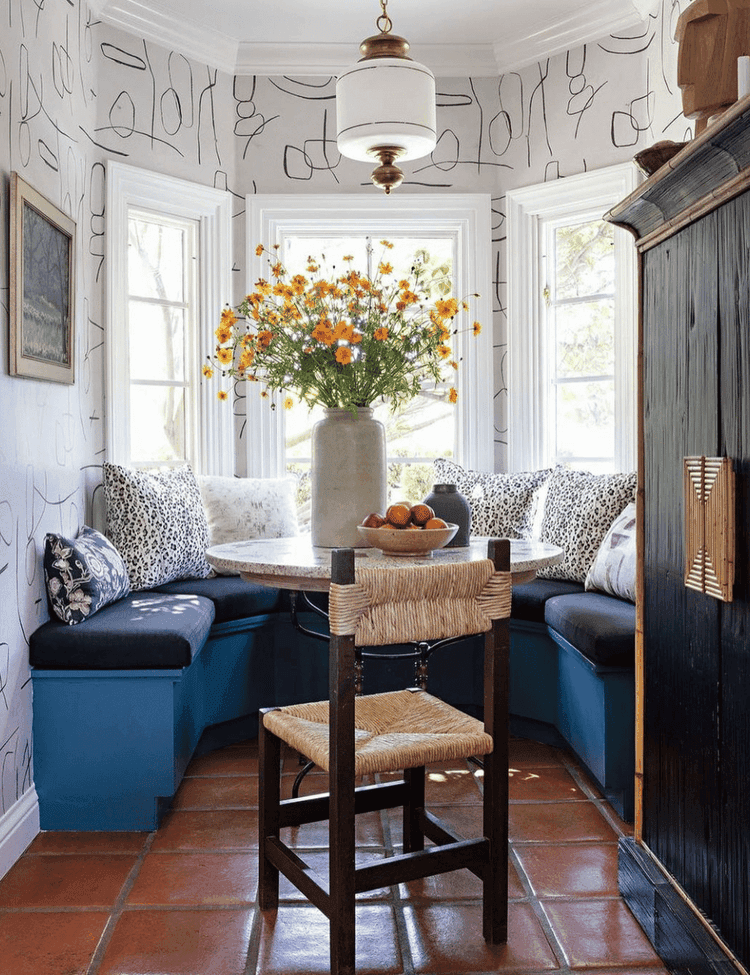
[349,475]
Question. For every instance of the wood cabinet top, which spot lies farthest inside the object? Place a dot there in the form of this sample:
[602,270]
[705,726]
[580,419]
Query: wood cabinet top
[711,169]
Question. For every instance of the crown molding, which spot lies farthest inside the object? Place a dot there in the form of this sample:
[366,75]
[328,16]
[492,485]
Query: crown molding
[444,60]
[195,41]
[595,20]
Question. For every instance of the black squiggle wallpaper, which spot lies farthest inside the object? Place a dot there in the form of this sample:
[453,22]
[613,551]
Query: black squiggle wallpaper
[75,92]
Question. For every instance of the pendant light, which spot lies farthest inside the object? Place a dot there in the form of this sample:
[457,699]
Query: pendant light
[385,105]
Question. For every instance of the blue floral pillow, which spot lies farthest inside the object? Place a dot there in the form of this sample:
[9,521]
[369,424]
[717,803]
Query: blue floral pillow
[83,574]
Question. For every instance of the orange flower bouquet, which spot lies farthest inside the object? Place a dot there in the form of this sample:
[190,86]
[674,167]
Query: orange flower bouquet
[342,342]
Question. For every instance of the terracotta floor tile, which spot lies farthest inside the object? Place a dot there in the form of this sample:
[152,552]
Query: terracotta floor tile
[448,786]
[369,832]
[179,943]
[537,783]
[230,829]
[565,821]
[49,943]
[48,880]
[453,786]
[588,781]
[217,792]
[570,869]
[524,752]
[464,819]
[192,908]
[318,860]
[599,933]
[234,760]
[196,879]
[633,970]
[295,941]
[448,939]
[457,885]
[61,842]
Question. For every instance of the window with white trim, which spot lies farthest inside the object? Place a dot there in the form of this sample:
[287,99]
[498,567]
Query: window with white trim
[168,275]
[453,235]
[572,335]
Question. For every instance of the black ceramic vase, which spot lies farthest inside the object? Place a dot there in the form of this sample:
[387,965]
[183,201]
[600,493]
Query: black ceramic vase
[450,505]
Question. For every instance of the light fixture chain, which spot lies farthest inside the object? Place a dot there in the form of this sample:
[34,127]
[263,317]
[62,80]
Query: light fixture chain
[387,25]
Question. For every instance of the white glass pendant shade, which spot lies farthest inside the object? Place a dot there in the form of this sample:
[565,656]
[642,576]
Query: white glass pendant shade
[386,102]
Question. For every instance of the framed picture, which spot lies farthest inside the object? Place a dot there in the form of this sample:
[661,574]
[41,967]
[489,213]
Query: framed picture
[42,287]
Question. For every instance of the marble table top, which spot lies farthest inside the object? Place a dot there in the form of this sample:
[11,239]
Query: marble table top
[293,563]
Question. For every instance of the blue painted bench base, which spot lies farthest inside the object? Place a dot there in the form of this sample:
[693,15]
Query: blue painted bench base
[111,746]
[559,696]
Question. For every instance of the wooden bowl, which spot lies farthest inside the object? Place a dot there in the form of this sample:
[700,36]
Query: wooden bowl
[421,541]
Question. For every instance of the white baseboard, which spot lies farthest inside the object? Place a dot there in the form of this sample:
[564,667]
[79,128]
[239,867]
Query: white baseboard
[18,827]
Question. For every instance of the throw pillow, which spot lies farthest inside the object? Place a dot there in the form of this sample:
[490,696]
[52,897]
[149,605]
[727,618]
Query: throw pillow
[239,508]
[82,574]
[502,505]
[578,511]
[613,570]
[157,522]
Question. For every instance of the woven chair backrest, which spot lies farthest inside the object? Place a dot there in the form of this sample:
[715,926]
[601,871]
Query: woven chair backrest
[414,603]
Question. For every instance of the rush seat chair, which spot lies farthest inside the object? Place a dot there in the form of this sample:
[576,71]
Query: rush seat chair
[400,731]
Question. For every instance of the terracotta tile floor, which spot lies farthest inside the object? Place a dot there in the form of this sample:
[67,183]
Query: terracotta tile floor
[182,900]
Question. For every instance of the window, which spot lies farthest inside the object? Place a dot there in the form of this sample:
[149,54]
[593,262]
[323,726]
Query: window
[571,308]
[168,275]
[453,235]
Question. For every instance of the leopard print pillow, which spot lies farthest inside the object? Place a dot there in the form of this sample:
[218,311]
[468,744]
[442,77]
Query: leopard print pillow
[157,523]
[502,505]
[578,512]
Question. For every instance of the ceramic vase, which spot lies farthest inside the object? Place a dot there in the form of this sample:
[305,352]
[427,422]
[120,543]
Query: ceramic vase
[449,504]
[349,476]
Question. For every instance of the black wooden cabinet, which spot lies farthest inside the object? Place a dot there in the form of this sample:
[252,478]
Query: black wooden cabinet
[686,875]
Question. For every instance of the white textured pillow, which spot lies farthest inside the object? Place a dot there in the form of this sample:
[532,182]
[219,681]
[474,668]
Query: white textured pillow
[157,523]
[578,511]
[502,505]
[613,570]
[239,508]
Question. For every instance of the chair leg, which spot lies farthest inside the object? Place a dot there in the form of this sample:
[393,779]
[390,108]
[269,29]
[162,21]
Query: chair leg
[413,807]
[269,748]
[495,887]
[341,867]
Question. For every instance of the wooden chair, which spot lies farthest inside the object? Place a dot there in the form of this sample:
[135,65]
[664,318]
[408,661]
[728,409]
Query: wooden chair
[351,736]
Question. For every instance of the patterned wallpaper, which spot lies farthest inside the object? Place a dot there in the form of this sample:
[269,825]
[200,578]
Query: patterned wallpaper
[75,92]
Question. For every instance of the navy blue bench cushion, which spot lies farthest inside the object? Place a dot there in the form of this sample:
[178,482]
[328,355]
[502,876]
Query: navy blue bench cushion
[144,630]
[601,627]
[233,598]
[530,598]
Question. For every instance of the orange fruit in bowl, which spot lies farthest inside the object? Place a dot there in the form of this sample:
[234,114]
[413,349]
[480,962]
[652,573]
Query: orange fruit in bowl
[374,520]
[421,514]
[435,523]
[398,515]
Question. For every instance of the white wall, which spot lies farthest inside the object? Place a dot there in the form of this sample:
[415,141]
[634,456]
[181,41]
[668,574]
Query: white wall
[74,92]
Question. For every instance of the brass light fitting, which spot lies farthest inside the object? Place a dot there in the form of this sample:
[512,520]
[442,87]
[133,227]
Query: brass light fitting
[385,105]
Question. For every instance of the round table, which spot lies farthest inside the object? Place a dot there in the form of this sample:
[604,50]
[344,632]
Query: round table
[293,563]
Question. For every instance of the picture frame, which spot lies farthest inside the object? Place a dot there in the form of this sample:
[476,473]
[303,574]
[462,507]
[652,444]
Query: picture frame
[42,287]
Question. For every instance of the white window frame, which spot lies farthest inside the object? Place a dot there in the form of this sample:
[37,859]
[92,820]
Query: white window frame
[212,447]
[271,217]
[584,197]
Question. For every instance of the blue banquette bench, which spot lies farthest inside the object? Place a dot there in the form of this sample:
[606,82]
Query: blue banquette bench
[122,702]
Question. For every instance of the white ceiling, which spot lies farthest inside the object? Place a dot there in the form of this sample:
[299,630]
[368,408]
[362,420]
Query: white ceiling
[320,37]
